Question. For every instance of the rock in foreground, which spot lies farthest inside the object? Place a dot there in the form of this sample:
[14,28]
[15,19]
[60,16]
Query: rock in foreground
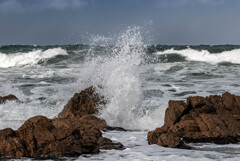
[68,135]
[213,119]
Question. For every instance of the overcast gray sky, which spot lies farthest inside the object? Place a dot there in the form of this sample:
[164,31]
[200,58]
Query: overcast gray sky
[72,21]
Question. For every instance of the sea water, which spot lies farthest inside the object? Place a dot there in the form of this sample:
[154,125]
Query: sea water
[137,80]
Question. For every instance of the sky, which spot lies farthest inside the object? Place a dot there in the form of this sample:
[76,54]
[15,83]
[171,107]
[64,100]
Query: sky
[170,22]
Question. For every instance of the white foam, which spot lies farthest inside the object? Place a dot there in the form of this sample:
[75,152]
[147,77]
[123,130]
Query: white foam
[137,149]
[29,58]
[232,56]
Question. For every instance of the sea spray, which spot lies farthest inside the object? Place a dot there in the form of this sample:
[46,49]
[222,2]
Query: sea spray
[116,76]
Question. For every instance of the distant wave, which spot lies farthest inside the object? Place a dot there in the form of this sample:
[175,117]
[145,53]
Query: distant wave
[232,56]
[29,58]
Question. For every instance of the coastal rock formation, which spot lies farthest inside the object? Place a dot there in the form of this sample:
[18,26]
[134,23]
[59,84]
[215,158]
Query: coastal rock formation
[8,98]
[214,119]
[83,103]
[76,131]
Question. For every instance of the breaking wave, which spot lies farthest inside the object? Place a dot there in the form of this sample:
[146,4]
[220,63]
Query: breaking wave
[29,58]
[232,56]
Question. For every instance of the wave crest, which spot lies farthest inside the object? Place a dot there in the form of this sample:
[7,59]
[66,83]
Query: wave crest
[232,56]
[29,58]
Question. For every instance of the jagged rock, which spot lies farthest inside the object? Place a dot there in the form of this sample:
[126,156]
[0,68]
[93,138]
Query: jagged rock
[213,119]
[10,144]
[8,98]
[86,103]
[107,144]
[83,103]
[76,131]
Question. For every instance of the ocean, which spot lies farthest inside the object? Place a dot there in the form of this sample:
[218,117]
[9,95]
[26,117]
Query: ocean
[136,79]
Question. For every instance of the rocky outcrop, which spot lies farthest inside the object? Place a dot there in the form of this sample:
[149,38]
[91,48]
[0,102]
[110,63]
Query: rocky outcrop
[76,131]
[86,104]
[8,98]
[83,103]
[214,119]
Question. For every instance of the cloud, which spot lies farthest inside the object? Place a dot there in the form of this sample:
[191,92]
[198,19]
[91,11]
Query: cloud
[21,6]
[65,4]
[10,6]
[212,2]
[182,3]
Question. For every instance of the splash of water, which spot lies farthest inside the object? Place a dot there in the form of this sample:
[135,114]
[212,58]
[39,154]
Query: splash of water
[116,76]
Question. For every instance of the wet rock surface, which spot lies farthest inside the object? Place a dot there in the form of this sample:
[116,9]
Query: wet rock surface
[8,98]
[213,119]
[76,131]
[83,103]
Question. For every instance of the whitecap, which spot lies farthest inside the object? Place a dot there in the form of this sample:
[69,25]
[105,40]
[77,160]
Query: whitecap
[232,56]
[29,58]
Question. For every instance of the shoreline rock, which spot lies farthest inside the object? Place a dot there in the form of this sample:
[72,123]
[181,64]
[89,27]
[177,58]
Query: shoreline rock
[76,131]
[212,119]
[9,97]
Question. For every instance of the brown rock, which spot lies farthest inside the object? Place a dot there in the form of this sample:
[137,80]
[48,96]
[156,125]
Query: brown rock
[83,103]
[229,101]
[8,98]
[175,111]
[107,144]
[42,137]
[212,119]
[11,144]
[196,101]
[76,131]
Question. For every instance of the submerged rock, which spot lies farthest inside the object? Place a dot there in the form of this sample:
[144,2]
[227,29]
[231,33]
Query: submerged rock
[76,131]
[213,119]
[8,98]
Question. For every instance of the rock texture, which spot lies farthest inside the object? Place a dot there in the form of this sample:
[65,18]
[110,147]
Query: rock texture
[213,119]
[76,131]
[83,103]
[8,98]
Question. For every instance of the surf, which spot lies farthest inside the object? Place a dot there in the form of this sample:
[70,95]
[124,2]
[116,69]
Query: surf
[29,58]
[232,56]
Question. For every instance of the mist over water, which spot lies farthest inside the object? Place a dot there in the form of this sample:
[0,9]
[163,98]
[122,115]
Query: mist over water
[136,79]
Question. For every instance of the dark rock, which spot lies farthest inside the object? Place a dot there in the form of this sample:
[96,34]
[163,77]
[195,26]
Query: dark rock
[214,119]
[10,144]
[175,111]
[76,131]
[83,103]
[107,144]
[8,98]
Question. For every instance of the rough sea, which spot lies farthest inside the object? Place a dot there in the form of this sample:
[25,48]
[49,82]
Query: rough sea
[136,78]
